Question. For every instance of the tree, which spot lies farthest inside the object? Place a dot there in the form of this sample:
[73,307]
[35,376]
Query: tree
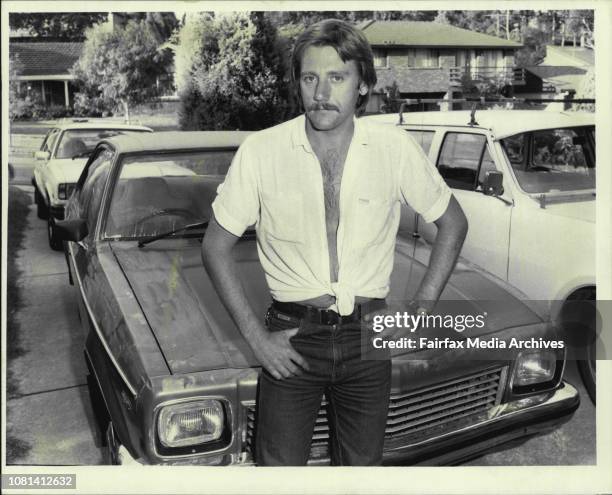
[56,24]
[120,66]
[230,73]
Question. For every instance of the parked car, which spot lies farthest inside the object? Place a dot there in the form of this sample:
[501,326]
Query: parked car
[60,161]
[526,181]
[173,380]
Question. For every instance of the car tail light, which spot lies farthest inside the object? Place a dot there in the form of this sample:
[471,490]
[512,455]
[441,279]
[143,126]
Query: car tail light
[190,423]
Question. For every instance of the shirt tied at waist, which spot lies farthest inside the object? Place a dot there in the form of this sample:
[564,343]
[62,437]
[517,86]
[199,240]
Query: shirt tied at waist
[345,298]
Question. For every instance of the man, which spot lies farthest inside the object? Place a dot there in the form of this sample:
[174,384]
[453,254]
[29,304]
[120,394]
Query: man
[324,192]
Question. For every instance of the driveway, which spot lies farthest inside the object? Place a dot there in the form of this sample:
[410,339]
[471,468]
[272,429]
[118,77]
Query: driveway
[52,414]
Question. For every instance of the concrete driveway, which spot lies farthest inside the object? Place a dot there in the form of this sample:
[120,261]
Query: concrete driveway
[52,414]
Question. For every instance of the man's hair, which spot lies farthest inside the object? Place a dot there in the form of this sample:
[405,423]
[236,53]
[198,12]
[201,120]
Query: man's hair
[349,43]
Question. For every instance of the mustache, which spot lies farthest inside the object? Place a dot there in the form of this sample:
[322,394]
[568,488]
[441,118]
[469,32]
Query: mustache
[321,106]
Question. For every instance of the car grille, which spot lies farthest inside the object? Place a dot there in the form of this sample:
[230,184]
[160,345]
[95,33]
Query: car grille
[422,413]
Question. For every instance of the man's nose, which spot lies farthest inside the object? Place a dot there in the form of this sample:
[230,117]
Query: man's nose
[322,90]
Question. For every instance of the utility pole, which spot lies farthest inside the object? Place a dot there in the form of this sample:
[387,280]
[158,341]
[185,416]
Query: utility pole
[553,28]
[497,25]
[507,24]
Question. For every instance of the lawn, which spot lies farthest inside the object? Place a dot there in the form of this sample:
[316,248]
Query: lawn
[18,209]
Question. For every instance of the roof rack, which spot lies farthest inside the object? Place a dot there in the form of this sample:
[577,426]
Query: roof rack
[484,100]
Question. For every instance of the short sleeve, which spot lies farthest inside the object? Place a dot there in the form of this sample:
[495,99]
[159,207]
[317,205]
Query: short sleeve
[237,203]
[421,185]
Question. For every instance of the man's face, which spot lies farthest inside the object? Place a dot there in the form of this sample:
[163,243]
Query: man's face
[329,87]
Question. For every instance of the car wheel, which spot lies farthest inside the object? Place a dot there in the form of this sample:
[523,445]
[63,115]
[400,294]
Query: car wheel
[587,369]
[54,242]
[41,208]
[581,312]
[112,450]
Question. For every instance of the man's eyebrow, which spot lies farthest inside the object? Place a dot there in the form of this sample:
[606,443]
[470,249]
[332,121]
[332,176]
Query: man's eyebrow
[331,72]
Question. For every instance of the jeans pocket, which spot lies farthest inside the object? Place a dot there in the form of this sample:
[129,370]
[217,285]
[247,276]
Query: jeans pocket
[277,322]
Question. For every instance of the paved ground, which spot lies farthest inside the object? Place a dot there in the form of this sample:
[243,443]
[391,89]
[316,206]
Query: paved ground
[53,415]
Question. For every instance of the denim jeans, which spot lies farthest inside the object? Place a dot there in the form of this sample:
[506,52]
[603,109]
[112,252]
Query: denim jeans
[357,392]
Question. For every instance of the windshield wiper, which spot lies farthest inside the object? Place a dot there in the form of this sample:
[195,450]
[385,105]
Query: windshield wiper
[191,226]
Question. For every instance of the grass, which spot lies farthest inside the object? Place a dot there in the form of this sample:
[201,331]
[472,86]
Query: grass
[18,209]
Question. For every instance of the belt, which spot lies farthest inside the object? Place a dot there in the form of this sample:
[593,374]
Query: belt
[327,316]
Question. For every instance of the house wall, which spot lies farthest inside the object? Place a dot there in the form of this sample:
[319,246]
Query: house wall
[443,57]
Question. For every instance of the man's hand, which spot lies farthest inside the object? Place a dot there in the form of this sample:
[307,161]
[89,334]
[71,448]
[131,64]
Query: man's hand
[276,354]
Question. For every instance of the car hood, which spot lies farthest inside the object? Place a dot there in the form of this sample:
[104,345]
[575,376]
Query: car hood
[196,333]
[67,169]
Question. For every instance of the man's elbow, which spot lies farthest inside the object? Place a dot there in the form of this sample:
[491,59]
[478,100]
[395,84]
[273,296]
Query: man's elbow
[454,222]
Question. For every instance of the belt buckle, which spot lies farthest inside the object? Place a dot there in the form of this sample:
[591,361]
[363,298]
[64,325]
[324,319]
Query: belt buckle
[329,317]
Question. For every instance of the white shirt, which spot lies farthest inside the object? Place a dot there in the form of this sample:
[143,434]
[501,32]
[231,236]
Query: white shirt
[275,182]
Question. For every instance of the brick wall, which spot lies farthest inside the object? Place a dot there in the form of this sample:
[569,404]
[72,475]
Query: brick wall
[413,80]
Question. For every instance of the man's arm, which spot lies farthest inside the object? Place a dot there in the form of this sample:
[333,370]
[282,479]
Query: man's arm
[452,229]
[273,350]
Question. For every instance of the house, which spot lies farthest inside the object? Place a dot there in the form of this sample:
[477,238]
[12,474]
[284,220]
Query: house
[564,69]
[44,65]
[429,59]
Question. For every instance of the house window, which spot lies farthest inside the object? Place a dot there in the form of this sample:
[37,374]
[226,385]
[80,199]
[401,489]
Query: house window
[423,58]
[380,58]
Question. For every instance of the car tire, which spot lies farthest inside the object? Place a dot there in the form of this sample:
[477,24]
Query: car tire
[587,367]
[54,242]
[41,208]
[98,406]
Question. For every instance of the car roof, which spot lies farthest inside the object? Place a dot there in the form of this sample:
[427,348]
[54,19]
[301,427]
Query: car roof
[176,140]
[502,123]
[89,124]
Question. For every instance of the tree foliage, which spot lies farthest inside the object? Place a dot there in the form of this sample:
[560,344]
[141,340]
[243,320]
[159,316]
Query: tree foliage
[119,67]
[230,73]
[56,24]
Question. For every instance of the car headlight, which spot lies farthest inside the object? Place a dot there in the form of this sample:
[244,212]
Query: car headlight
[534,367]
[64,190]
[190,423]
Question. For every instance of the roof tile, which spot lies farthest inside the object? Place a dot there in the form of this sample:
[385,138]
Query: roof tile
[434,34]
[40,58]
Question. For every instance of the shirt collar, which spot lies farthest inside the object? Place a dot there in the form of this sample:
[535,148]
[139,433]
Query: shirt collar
[299,137]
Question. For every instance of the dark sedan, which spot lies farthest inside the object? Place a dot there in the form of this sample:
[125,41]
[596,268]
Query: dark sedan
[172,379]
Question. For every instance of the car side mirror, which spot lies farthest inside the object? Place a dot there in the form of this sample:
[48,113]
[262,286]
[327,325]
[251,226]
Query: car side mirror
[71,230]
[493,183]
[42,155]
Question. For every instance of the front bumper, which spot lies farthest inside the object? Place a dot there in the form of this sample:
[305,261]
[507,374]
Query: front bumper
[537,414]
[509,421]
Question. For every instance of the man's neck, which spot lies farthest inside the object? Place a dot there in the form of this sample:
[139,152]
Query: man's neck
[337,138]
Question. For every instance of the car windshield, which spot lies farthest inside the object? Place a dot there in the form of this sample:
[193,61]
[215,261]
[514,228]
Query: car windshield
[158,192]
[81,142]
[553,160]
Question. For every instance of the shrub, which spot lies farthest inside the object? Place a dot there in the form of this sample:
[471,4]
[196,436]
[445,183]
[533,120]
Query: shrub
[230,73]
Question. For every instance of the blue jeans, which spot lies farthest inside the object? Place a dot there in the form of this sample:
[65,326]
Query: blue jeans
[357,392]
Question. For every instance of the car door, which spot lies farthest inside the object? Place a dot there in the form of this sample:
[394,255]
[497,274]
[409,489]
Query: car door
[463,160]
[87,204]
[40,165]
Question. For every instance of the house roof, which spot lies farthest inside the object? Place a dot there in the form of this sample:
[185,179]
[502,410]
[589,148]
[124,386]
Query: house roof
[43,57]
[565,66]
[569,55]
[434,34]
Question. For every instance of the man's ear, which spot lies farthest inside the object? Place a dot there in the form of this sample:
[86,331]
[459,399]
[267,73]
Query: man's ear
[363,89]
